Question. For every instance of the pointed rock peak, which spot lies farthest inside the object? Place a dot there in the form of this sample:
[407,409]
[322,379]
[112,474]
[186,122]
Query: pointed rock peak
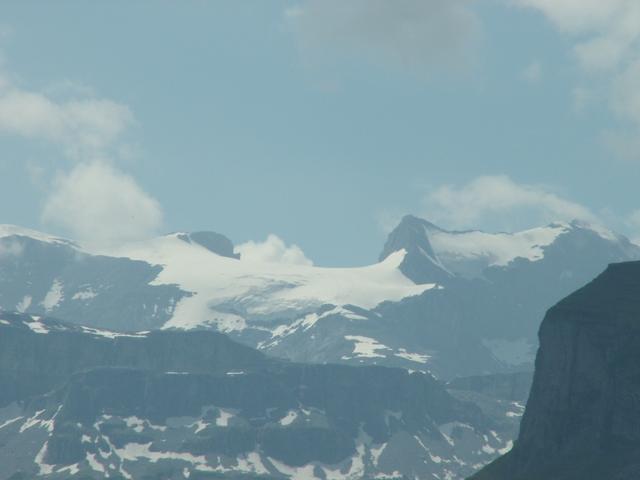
[421,263]
[411,234]
[212,241]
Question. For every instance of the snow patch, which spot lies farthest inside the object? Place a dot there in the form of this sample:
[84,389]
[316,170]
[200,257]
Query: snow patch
[94,464]
[289,418]
[412,357]
[87,294]
[36,325]
[71,469]
[10,422]
[496,249]
[110,334]
[376,452]
[200,426]
[44,468]
[365,347]
[295,473]
[24,304]
[54,296]
[223,418]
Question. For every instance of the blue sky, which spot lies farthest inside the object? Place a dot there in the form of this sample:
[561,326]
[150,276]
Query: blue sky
[319,121]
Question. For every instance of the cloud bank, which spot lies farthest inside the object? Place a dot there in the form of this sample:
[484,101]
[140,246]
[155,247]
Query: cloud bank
[93,200]
[101,206]
[83,128]
[501,203]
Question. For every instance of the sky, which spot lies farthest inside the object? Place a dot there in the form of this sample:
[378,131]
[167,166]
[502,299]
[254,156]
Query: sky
[305,129]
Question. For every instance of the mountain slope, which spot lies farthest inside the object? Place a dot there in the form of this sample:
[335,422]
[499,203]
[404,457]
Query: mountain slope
[582,421]
[77,401]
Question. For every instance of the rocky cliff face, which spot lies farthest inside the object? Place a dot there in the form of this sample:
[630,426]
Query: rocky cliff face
[582,419]
[85,403]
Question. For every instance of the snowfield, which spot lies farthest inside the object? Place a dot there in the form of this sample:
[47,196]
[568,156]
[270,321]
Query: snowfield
[262,289]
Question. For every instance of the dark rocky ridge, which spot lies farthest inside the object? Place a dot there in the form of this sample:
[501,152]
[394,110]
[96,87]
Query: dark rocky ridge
[212,241]
[582,420]
[74,399]
[33,363]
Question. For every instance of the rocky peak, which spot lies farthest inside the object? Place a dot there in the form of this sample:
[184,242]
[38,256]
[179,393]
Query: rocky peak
[421,264]
[212,241]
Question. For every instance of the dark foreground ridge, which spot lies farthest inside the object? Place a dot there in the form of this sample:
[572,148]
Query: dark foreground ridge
[582,420]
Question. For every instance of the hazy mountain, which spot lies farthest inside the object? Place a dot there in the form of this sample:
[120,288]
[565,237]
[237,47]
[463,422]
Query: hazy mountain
[582,420]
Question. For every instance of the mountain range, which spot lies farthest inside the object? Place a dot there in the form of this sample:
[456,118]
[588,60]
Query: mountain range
[177,358]
[81,402]
[433,293]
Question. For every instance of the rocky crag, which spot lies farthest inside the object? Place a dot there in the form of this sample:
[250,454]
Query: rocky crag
[582,420]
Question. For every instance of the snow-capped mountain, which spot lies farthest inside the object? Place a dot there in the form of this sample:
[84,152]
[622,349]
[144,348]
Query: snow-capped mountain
[180,280]
[452,303]
[437,253]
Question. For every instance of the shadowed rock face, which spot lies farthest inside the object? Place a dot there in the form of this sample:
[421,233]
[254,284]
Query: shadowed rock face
[421,263]
[212,241]
[37,356]
[582,420]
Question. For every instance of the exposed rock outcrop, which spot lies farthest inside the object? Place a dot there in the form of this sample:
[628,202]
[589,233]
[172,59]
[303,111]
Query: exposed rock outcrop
[582,419]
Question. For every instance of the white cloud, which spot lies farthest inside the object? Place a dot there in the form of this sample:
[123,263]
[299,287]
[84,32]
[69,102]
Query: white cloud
[94,201]
[419,34]
[272,250]
[83,127]
[101,206]
[606,36]
[500,203]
